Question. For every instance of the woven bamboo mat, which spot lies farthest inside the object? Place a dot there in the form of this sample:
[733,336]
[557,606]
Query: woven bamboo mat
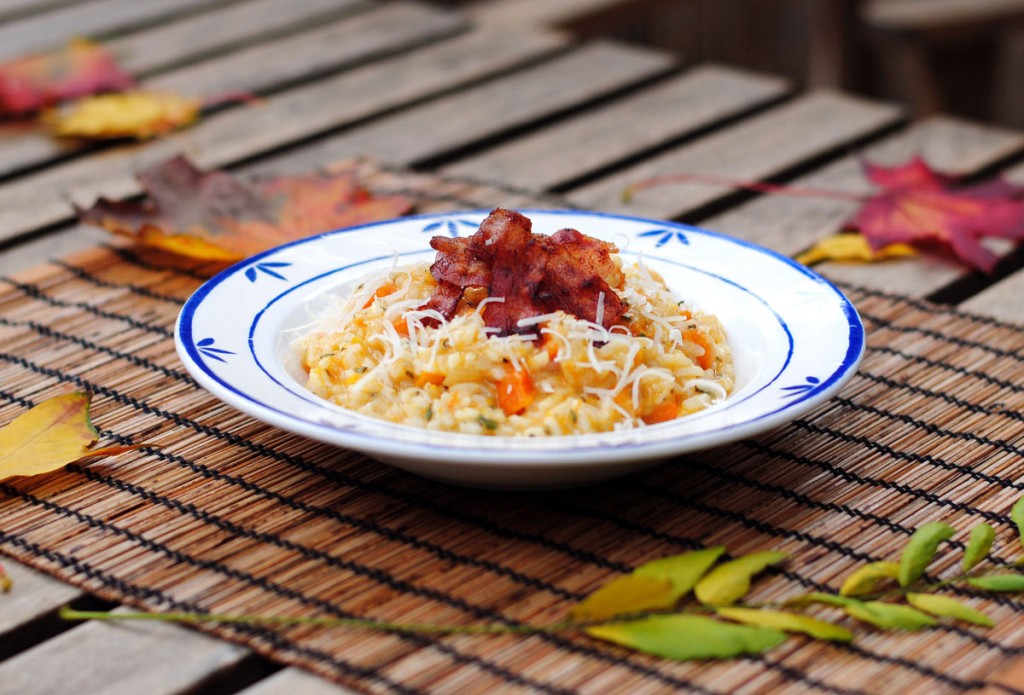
[224,514]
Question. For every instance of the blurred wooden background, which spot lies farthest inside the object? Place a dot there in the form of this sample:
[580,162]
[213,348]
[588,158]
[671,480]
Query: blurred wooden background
[964,57]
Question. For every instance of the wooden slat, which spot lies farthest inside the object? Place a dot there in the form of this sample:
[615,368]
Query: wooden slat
[404,25]
[952,145]
[147,658]
[42,199]
[536,13]
[96,19]
[758,148]
[34,596]
[17,8]
[171,43]
[55,244]
[918,15]
[789,225]
[651,118]
[1002,300]
[271,64]
[293,681]
[456,121]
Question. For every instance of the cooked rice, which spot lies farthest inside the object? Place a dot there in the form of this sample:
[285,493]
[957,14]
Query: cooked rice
[373,355]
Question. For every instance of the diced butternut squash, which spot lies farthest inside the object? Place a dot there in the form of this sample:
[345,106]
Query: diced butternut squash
[515,390]
[663,412]
[429,378]
[695,336]
[382,291]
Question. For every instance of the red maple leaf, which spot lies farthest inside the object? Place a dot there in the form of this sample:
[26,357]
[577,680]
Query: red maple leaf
[35,82]
[915,205]
[918,205]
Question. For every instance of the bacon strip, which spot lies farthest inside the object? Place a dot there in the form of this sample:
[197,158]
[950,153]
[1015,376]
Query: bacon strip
[535,274]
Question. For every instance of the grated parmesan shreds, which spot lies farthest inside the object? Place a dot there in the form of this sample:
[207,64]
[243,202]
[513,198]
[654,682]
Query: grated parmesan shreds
[374,354]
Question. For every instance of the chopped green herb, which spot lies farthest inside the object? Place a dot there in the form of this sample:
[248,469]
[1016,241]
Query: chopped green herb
[428,415]
[359,370]
[572,416]
[488,423]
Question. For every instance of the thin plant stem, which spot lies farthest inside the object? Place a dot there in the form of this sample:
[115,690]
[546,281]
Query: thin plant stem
[67,613]
[756,186]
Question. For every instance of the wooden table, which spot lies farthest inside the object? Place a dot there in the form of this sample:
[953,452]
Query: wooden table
[421,87]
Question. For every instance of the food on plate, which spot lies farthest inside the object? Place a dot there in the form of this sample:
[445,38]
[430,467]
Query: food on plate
[509,332]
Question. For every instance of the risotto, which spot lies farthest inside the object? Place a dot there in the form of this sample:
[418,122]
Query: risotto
[388,352]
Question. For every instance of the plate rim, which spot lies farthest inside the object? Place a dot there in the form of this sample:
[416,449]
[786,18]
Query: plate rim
[375,444]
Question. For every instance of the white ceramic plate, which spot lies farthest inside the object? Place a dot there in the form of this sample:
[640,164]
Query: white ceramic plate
[795,340]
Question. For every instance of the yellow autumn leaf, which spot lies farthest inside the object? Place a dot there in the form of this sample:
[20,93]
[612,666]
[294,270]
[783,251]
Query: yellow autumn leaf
[623,596]
[787,622]
[5,581]
[50,436]
[865,578]
[140,115]
[947,607]
[682,571]
[730,581]
[850,246]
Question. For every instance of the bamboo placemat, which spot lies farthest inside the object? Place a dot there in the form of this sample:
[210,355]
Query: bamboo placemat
[220,513]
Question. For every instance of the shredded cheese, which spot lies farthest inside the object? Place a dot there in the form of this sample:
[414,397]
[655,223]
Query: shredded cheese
[384,349]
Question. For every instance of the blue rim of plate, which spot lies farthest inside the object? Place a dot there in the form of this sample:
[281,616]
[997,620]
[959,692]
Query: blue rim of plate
[195,362]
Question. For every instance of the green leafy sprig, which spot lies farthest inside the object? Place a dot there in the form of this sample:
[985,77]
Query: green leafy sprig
[690,606]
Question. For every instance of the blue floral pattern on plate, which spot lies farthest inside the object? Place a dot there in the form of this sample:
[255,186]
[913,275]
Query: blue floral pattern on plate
[205,346]
[809,384]
[268,268]
[451,225]
[666,235]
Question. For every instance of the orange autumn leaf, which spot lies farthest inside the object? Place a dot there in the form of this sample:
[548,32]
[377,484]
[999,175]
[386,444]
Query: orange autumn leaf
[917,205]
[215,216]
[140,115]
[49,436]
[35,82]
